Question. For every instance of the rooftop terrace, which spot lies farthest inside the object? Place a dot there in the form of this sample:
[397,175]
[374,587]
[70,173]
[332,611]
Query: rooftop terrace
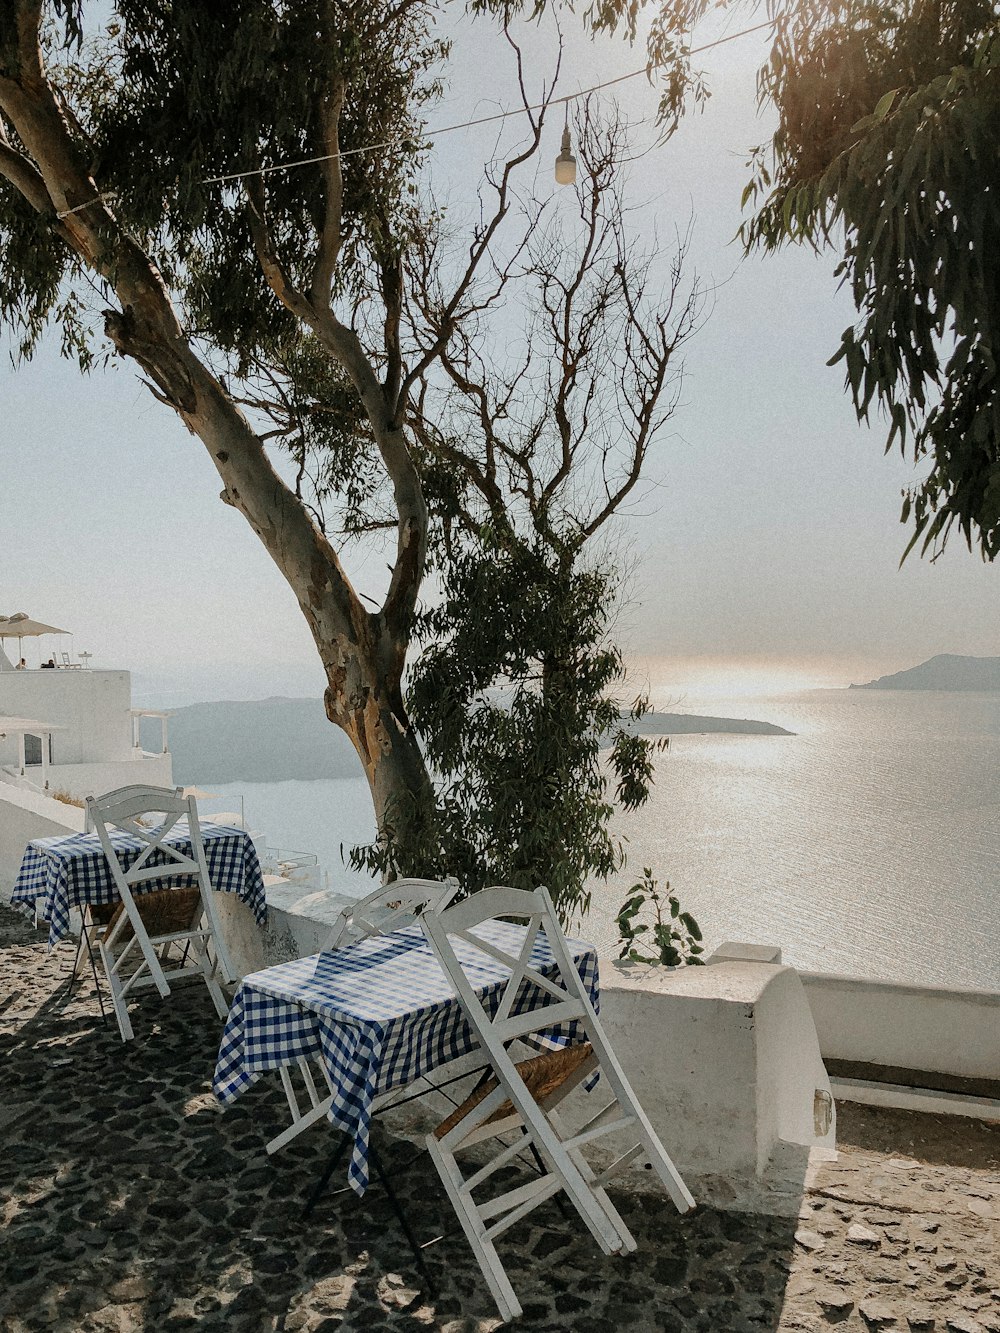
[129,1201]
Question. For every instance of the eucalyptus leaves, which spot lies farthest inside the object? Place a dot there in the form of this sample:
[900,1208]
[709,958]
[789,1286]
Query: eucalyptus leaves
[672,936]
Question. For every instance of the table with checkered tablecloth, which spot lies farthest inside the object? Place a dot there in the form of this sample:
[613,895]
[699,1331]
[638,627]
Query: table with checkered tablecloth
[379,1014]
[59,874]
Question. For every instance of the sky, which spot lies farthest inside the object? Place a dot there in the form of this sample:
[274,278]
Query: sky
[764,548]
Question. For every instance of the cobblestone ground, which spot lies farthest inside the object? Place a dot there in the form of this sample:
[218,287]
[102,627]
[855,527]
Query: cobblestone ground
[129,1201]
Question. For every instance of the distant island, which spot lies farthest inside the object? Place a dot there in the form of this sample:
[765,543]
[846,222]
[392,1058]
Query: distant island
[687,724]
[261,740]
[276,740]
[947,671]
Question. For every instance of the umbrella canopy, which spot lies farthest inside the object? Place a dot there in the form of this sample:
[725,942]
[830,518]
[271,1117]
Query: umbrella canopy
[20,626]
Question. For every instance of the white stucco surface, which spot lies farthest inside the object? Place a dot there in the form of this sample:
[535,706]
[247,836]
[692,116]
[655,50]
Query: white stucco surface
[82,780]
[299,921]
[724,1059]
[23,816]
[93,706]
[955,1031]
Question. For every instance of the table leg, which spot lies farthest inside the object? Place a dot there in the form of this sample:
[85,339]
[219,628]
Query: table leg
[401,1217]
[324,1180]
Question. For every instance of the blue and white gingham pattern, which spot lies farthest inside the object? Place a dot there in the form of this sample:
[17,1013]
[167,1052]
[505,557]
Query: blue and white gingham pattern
[380,1014]
[68,872]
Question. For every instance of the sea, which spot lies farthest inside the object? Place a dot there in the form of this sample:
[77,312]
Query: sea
[866,843]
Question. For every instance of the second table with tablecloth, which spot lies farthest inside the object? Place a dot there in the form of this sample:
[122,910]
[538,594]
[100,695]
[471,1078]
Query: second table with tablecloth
[64,873]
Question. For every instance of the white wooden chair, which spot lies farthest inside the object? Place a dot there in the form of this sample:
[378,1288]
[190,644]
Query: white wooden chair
[157,935]
[524,1098]
[391,907]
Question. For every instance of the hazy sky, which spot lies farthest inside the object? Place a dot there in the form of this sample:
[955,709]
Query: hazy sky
[767,538]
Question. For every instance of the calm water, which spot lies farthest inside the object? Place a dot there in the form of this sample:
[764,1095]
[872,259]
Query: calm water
[869,842]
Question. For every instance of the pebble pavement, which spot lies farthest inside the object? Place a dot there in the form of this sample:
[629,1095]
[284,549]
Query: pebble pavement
[130,1201]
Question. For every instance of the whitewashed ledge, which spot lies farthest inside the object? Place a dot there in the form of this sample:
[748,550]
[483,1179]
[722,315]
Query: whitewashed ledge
[724,1059]
[298,923]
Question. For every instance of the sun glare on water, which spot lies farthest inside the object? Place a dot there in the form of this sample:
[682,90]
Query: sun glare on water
[710,678]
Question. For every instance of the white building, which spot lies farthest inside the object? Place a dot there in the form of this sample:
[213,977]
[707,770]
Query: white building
[70,734]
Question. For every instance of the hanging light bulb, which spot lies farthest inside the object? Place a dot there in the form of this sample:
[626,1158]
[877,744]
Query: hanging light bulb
[566,162]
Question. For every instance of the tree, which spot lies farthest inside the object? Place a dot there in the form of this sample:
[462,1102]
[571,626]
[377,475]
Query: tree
[887,149]
[108,154]
[540,441]
[889,134]
[308,310]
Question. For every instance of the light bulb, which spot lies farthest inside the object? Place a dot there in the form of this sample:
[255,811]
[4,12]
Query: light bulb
[565,162]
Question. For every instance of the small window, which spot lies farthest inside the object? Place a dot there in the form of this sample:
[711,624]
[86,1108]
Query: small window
[33,749]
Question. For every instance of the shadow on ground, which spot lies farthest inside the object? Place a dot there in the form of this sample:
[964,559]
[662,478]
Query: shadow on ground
[131,1202]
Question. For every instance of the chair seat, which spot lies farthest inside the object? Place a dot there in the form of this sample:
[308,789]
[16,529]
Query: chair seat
[163,911]
[542,1075]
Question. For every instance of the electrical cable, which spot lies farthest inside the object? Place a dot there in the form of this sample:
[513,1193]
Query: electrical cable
[470,124]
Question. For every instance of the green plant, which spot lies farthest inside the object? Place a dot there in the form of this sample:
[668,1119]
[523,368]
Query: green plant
[675,936]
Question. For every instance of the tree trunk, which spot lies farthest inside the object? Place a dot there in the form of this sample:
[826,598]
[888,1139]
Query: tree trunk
[363,653]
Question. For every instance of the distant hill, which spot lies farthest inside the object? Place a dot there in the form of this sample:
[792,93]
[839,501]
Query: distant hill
[947,671]
[274,740]
[686,724]
[264,740]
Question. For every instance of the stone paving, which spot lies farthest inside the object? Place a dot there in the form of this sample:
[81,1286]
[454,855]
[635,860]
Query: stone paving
[129,1201]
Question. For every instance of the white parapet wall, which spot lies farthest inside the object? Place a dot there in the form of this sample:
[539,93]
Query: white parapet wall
[725,1061]
[83,780]
[93,707]
[25,815]
[298,924]
[954,1031]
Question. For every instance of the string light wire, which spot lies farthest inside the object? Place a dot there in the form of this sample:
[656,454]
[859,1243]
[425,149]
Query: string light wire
[481,120]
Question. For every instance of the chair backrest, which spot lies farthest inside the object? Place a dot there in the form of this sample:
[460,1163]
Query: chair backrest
[389,908]
[139,791]
[123,809]
[65,658]
[528,1001]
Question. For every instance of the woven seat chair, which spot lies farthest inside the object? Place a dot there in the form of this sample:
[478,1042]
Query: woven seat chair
[523,1099]
[154,935]
[543,1076]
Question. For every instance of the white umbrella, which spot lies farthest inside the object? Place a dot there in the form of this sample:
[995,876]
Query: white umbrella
[20,626]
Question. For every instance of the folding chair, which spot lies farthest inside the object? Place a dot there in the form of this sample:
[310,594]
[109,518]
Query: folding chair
[391,907]
[523,1098]
[154,930]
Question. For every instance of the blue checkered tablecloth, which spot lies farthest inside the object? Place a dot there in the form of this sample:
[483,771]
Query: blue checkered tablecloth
[64,873]
[380,1014]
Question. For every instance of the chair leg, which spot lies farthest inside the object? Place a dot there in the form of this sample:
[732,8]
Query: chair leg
[670,1177]
[629,1245]
[475,1232]
[557,1199]
[208,968]
[79,957]
[117,997]
[97,984]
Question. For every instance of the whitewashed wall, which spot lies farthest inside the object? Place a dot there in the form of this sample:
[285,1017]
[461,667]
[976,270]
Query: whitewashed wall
[24,816]
[94,706]
[954,1031]
[82,780]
